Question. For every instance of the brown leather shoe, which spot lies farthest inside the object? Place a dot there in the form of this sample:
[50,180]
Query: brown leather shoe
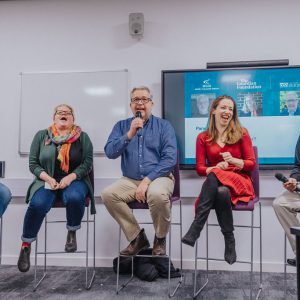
[138,244]
[159,246]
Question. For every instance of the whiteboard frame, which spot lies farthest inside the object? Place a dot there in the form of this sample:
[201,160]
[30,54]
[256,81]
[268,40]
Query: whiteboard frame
[26,153]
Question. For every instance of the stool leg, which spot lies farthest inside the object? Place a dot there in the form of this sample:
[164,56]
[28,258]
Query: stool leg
[36,284]
[284,263]
[89,282]
[197,292]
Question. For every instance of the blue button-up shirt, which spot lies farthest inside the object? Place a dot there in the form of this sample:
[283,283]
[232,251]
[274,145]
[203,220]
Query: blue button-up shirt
[151,153]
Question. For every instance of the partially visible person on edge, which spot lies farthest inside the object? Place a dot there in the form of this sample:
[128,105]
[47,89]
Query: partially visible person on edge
[61,158]
[291,104]
[249,108]
[202,106]
[227,148]
[5,197]
[148,150]
[287,205]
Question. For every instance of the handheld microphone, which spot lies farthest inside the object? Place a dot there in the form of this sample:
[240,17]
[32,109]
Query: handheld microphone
[138,114]
[283,179]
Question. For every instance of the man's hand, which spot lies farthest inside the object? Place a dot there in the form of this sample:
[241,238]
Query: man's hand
[140,193]
[66,181]
[291,184]
[136,123]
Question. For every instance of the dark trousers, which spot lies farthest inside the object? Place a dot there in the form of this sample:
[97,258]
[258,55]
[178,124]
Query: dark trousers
[42,201]
[214,195]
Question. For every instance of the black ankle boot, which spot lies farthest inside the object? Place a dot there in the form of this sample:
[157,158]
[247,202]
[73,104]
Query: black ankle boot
[24,259]
[71,243]
[229,254]
[193,233]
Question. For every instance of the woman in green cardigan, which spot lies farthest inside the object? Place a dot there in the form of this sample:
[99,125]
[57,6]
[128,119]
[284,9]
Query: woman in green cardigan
[61,158]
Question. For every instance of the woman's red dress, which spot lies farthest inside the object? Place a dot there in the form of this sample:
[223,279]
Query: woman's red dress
[237,180]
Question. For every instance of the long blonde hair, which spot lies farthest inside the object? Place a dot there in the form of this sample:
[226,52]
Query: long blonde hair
[234,131]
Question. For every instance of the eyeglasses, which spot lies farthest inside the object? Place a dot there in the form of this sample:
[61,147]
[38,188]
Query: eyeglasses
[140,100]
[63,112]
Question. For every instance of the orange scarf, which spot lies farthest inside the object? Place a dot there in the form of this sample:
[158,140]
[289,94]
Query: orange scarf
[64,142]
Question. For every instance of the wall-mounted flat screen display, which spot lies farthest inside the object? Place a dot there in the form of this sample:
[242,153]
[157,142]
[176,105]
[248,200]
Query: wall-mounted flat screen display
[268,104]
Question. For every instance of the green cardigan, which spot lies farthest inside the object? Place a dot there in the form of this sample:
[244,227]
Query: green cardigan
[39,161]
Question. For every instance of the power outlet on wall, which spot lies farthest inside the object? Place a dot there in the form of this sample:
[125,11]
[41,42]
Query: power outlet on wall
[2,169]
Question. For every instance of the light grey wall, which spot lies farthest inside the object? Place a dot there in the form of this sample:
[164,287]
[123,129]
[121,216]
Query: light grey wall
[65,35]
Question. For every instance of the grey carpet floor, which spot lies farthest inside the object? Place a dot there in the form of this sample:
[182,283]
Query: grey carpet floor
[68,283]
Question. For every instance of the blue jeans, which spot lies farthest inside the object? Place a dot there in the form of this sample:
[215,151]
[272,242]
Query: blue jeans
[5,197]
[42,201]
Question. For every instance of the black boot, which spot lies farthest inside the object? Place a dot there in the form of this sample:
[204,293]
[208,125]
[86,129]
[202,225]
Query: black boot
[229,254]
[24,259]
[205,203]
[193,233]
[71,243]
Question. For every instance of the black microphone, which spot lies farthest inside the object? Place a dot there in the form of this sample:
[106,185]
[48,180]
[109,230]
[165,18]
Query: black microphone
[283,179]
[138,114]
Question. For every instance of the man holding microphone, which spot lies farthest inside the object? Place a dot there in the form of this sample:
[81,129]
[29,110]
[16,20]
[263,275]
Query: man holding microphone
[148,150]
[287,205]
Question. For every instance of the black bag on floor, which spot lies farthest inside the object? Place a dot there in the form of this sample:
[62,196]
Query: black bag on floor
[146,268]
[162,266]
[125,265]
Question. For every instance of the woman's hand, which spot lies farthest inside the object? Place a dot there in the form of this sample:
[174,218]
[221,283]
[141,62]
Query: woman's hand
[227,157]
[66,181]
[223,165]
[51,181]
[232,160]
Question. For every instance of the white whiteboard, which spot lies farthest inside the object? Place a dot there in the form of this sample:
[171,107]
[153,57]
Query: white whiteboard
[99,99]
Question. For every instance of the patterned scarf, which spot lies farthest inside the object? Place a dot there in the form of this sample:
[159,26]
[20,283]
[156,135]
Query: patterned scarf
[64,144]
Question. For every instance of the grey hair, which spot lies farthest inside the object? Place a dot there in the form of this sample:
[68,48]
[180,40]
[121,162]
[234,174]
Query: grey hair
[293,94]
[66,105]
[141,88]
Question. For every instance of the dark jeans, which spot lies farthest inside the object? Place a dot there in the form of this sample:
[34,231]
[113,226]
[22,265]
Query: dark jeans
[5,197]
[42,201]
[214,195]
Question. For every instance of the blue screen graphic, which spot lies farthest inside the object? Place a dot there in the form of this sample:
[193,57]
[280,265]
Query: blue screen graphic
[267,101]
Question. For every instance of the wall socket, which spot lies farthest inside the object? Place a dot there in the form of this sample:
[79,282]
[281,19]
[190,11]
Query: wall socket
[2,169]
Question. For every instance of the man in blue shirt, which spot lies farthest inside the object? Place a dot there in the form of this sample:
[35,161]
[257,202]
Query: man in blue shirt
[148,150]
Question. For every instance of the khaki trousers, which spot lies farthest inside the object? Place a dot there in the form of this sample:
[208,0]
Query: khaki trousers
[117,195]
[286,207]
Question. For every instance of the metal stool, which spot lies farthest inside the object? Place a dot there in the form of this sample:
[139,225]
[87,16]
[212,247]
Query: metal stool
[285,264]
[87,220]
[137,205]
[239,207]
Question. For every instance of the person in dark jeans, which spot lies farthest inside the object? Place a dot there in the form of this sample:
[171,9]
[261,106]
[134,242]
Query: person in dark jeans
[5,197]
[61,158]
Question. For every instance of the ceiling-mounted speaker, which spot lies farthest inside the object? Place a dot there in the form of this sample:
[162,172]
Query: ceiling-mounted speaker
[136,24]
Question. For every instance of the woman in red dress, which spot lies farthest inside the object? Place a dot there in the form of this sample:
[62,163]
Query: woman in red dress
[224,154]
